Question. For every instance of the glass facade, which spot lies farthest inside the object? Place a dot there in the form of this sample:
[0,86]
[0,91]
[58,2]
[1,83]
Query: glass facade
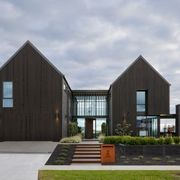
[167,125]
[90,106]
[147,125]
[7,94]
[96,125]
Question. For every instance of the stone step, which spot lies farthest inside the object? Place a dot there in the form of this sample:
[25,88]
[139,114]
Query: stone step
[96,160]
[87,156]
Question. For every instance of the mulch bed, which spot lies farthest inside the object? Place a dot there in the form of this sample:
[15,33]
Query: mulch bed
[148,160]
[62,155]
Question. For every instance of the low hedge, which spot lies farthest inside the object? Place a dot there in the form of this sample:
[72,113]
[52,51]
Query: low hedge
[129,140]
[72,139]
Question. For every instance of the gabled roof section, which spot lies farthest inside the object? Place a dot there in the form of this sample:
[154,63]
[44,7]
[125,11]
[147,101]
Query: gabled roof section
[141,58]
[30,44]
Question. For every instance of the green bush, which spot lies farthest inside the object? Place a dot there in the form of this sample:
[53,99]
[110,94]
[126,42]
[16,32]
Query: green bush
[160,140]
[104,128]
[176,139]
[101,138]
[73,128]
[128,140]
[168,140]
[72,139]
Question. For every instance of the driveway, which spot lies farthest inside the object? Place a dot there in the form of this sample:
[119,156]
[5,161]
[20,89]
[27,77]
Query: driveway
[21,160]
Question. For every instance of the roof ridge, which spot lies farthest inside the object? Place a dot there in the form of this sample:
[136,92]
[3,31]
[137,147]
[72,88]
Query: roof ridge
[140,57]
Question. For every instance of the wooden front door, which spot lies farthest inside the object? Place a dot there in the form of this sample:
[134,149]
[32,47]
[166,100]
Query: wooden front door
[89,129]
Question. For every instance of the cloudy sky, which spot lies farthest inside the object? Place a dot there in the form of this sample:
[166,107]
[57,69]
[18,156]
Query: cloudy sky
[92,42]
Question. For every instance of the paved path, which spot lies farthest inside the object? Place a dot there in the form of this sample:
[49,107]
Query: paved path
[107,167]
[21,166]
[27,146]
[21,160]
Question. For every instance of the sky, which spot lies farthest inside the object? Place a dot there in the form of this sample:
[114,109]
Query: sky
[93,41]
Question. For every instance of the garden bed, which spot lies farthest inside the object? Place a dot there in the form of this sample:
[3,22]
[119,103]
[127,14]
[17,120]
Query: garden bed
[62,155]
[148,154]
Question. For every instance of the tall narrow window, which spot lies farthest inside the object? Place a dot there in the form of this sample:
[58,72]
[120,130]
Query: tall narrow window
[141,101]
[7,94]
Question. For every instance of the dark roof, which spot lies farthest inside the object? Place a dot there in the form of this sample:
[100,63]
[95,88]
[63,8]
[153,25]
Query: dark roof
[141,58]
[39,52]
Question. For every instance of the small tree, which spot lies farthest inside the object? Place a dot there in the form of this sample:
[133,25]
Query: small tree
[73,129]
[104,128]
[123,129]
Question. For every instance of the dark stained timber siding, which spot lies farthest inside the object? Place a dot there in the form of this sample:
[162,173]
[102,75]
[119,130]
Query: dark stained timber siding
[37,92]
[140,76]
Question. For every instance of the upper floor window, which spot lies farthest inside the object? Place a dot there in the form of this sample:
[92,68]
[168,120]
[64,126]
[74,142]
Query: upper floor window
[7,94]
[141,101]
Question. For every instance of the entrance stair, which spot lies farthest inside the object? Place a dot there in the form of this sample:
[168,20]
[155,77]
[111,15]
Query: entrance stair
[87,153]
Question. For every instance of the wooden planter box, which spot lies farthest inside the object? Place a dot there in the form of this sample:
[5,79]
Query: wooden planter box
[107,154]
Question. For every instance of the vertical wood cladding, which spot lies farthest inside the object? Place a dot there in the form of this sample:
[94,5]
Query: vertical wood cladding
[37,94]
[139,76]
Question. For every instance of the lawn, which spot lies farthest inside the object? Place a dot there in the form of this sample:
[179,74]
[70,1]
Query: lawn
[108,175]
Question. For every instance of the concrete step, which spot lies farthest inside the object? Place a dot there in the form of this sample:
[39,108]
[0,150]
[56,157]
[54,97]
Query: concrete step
[87,156]
[81,146]
[96,160]
[88,149]
[87,152]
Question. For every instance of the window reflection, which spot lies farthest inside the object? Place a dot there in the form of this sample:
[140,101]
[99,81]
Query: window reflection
[141,101]
[90,105]
[7,94]
[147,125]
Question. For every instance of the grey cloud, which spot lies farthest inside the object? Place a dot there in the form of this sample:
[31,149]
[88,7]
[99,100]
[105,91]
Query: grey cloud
[92,42]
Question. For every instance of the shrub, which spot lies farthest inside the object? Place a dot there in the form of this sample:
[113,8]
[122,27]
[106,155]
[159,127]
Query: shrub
[151,140]
[160,140]
[72,128]
[128,140]
[123,129]
[176,139]
[168,140]
[72,139]
[104,128]
[101,138]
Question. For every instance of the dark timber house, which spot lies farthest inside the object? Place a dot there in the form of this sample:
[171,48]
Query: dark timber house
[37,102]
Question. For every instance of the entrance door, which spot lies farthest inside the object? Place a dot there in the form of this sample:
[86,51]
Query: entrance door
[89,128]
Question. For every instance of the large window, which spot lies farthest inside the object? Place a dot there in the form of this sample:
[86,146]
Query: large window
[147,125]
[7,94]
[141,101]
[90,106]
[167,125]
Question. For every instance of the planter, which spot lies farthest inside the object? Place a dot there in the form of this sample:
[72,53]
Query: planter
[107,153]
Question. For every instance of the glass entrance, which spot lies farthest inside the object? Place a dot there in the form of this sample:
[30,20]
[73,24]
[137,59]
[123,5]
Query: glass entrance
[86,123]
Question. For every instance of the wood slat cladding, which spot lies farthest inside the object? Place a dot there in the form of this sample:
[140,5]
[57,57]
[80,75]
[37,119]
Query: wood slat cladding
[37,94]
[139,76]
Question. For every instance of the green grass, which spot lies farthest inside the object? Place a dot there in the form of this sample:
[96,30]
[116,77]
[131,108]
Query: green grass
[108,175]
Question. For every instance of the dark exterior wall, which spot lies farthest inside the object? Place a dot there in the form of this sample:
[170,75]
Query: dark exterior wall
[37,92]
[140,76]
[178,120]
[66,107]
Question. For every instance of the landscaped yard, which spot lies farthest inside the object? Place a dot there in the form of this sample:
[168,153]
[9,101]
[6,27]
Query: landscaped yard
[106,175]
